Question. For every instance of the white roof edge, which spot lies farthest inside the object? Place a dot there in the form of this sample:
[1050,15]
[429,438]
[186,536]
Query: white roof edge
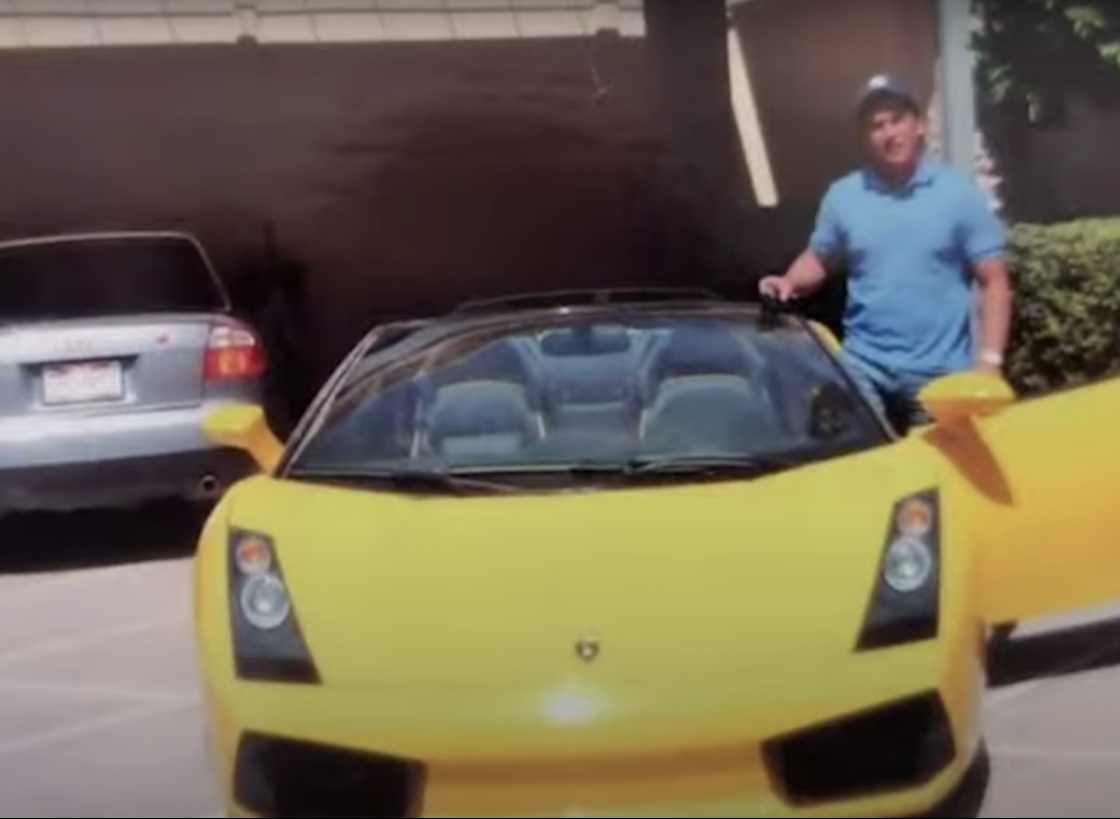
[153,22]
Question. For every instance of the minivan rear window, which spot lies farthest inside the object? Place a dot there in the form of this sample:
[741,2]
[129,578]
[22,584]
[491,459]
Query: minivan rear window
[105,277]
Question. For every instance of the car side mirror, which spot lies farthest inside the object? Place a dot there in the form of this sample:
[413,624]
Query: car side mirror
[245,427]
[958,396]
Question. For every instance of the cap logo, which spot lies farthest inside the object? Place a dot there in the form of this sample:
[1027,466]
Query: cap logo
[879,81]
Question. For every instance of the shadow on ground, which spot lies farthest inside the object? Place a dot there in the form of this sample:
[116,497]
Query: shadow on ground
[1070,651]
[36,543]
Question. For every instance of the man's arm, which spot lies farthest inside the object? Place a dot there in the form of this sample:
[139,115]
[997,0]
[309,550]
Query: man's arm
[807,274]
[809,271]
[996,301]
[985,243]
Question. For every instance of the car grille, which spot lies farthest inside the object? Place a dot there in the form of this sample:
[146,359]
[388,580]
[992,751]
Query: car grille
[278,777]
[901,744]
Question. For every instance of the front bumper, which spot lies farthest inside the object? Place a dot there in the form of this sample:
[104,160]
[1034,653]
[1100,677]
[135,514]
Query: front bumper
[866,747]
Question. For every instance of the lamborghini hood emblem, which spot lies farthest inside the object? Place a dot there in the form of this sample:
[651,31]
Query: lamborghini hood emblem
[587,649]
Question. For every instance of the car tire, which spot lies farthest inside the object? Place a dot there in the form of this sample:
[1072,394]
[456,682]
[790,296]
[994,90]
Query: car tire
[967,799]
[1000,649]
[1002,633]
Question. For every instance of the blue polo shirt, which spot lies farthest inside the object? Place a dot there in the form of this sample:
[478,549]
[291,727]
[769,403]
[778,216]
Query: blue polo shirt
[909,253]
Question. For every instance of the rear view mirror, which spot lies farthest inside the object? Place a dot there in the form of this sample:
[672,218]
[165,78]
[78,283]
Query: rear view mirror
[244,427]
[830,411]
[965,395]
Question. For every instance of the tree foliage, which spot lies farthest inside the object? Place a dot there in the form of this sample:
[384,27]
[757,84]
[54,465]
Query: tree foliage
[1030,49]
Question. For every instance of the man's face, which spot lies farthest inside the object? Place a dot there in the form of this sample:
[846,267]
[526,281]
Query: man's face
[895,135]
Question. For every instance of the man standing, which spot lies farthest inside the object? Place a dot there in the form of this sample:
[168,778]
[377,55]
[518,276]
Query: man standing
[914,234]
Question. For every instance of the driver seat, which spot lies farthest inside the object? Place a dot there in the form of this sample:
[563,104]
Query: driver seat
[478,419]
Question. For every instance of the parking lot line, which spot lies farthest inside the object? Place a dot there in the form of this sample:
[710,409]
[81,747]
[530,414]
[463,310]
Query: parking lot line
[25,585]
[93,691]
[90,726]
[88,638]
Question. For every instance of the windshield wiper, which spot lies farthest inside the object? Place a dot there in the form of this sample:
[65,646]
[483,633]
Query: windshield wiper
[405,479]
[712,464]
[654,465]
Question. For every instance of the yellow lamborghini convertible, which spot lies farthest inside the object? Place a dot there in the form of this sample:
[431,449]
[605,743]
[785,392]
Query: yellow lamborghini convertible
[644,555]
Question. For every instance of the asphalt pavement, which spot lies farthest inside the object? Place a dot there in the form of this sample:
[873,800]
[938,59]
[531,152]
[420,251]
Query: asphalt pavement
[98,687]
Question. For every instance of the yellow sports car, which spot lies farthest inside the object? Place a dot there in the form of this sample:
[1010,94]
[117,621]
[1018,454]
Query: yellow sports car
[644,555]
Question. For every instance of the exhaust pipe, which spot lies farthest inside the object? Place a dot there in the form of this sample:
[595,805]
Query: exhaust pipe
[209,487]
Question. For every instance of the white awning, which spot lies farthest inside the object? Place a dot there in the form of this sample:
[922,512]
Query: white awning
[75,23]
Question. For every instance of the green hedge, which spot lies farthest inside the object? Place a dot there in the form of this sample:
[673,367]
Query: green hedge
[1066,328]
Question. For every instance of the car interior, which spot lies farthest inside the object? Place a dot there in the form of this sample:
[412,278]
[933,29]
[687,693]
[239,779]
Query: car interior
[591,390]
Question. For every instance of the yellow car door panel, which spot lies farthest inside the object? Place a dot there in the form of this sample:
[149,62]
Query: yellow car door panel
[1045,475]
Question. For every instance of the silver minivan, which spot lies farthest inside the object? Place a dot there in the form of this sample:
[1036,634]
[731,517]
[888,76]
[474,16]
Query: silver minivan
[113,348]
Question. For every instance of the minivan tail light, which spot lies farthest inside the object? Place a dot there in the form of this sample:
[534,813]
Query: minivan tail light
[232,351]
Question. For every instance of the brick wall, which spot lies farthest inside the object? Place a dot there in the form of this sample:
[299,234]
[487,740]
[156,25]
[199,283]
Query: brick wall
[406,176]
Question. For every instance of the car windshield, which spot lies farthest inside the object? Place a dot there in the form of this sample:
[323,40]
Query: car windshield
[578,400]
[92,277]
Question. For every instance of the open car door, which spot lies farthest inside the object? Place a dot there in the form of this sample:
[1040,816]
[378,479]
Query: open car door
[1046,475]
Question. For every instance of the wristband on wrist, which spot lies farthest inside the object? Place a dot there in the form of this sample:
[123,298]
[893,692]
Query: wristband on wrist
[992,358]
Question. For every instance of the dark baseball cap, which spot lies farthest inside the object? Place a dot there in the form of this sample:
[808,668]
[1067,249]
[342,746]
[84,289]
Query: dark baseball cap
[885,88]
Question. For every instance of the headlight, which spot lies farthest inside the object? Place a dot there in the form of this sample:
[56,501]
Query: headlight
[908,565]
[905,601]
[267,641]
[264,602]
